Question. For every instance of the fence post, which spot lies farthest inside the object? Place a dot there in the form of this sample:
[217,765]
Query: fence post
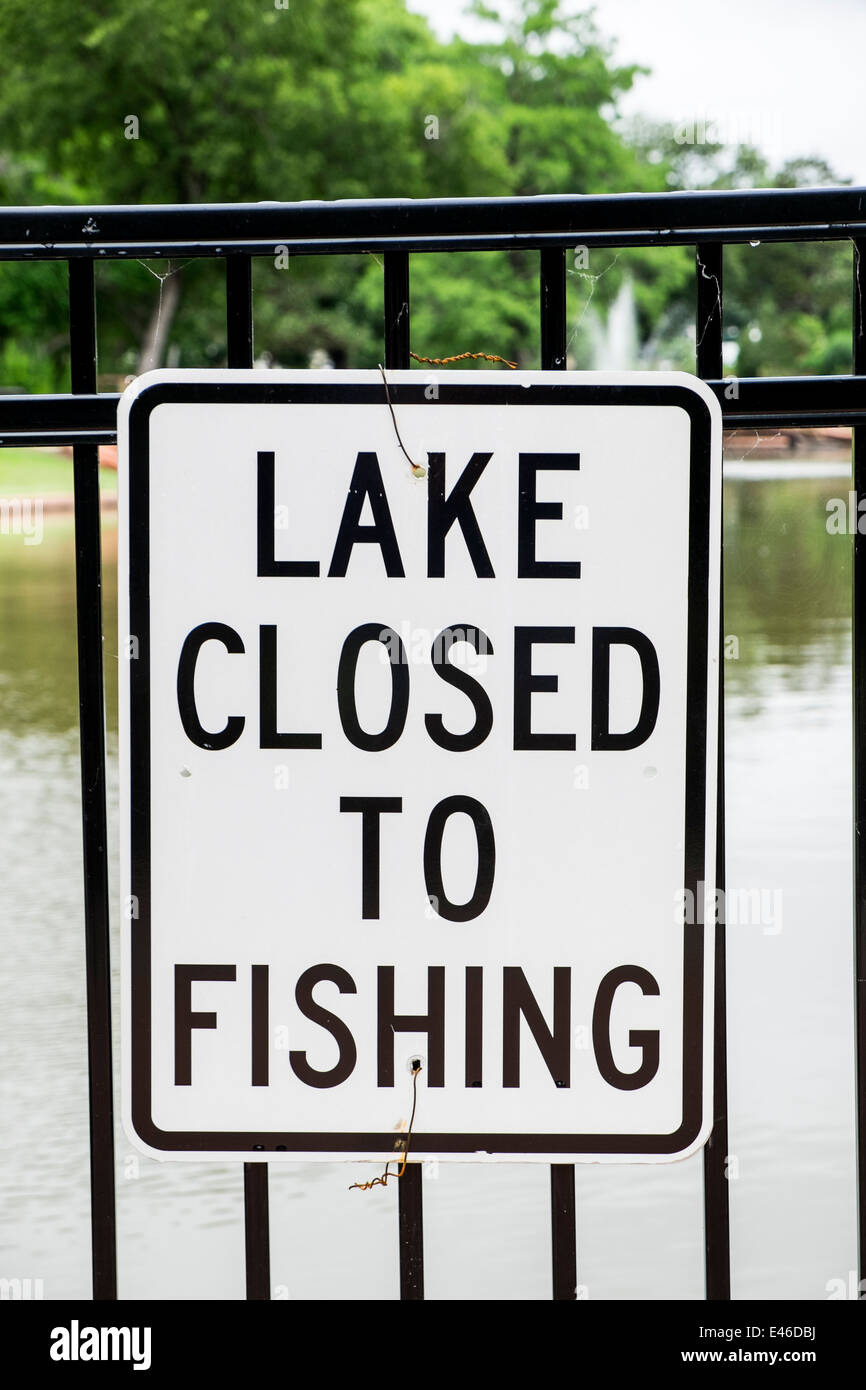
[410,1214]
[257,1243]
[717,1237]
[859,697]
[563,1215]
[91,705]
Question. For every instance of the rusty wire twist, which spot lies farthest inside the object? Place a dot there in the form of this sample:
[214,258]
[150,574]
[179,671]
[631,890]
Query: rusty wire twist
[382,1181]
[462,356]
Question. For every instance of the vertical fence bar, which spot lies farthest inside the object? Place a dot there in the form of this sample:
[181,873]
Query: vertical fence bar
[91,708]
[717,1225]
[410,1218]
[563,1217]
[553,320]
[239,311]
[257,1240]
[410,1213]
[257,1232]
[859,699]
[397,309]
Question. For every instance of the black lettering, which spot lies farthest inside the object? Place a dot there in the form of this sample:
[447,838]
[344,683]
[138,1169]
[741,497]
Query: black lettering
[530,511]
[442,512]
[553,1044]
[339,1031]
[269,737]
[432,1023]
[603,638]
[266,565]
[526,683]
[195,640]
[646,1040]
[184,1018]
[346,672]
[371,808]
[439,901]
[366,483]
[461,680]
[260,1016]
[474,1025]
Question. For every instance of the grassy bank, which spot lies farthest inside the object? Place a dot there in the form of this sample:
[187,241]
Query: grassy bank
[43,473]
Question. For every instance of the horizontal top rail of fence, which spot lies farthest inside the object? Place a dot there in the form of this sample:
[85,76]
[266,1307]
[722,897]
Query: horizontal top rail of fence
[320,228]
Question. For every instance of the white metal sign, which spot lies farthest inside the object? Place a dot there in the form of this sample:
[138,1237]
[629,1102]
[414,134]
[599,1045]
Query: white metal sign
[418,763]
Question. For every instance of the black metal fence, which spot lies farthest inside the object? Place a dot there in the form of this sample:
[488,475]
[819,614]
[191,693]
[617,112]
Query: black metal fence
[83,236]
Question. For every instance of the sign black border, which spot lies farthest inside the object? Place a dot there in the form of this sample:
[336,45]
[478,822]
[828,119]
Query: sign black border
[402,393]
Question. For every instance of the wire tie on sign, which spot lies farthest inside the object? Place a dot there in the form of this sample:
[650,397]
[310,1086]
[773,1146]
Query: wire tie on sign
[418,470]
[383,1180]
[462,356]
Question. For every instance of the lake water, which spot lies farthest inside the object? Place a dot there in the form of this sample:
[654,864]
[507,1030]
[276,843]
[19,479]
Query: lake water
[790,991]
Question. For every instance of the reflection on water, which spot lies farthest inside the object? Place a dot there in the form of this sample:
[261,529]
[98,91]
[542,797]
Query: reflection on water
[486,1229]
[787,588]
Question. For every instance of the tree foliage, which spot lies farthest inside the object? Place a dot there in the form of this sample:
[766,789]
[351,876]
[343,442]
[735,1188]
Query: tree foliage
[152,101]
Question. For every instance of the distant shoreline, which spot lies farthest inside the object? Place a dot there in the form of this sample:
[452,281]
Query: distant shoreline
[785,454]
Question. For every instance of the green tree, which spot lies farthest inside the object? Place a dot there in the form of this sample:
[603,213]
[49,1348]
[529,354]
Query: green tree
[151,101]
[787,305]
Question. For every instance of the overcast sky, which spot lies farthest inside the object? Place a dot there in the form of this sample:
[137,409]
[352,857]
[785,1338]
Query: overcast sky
[785,75]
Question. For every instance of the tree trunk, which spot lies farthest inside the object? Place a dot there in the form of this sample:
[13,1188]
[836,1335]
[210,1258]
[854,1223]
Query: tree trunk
[159,327]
